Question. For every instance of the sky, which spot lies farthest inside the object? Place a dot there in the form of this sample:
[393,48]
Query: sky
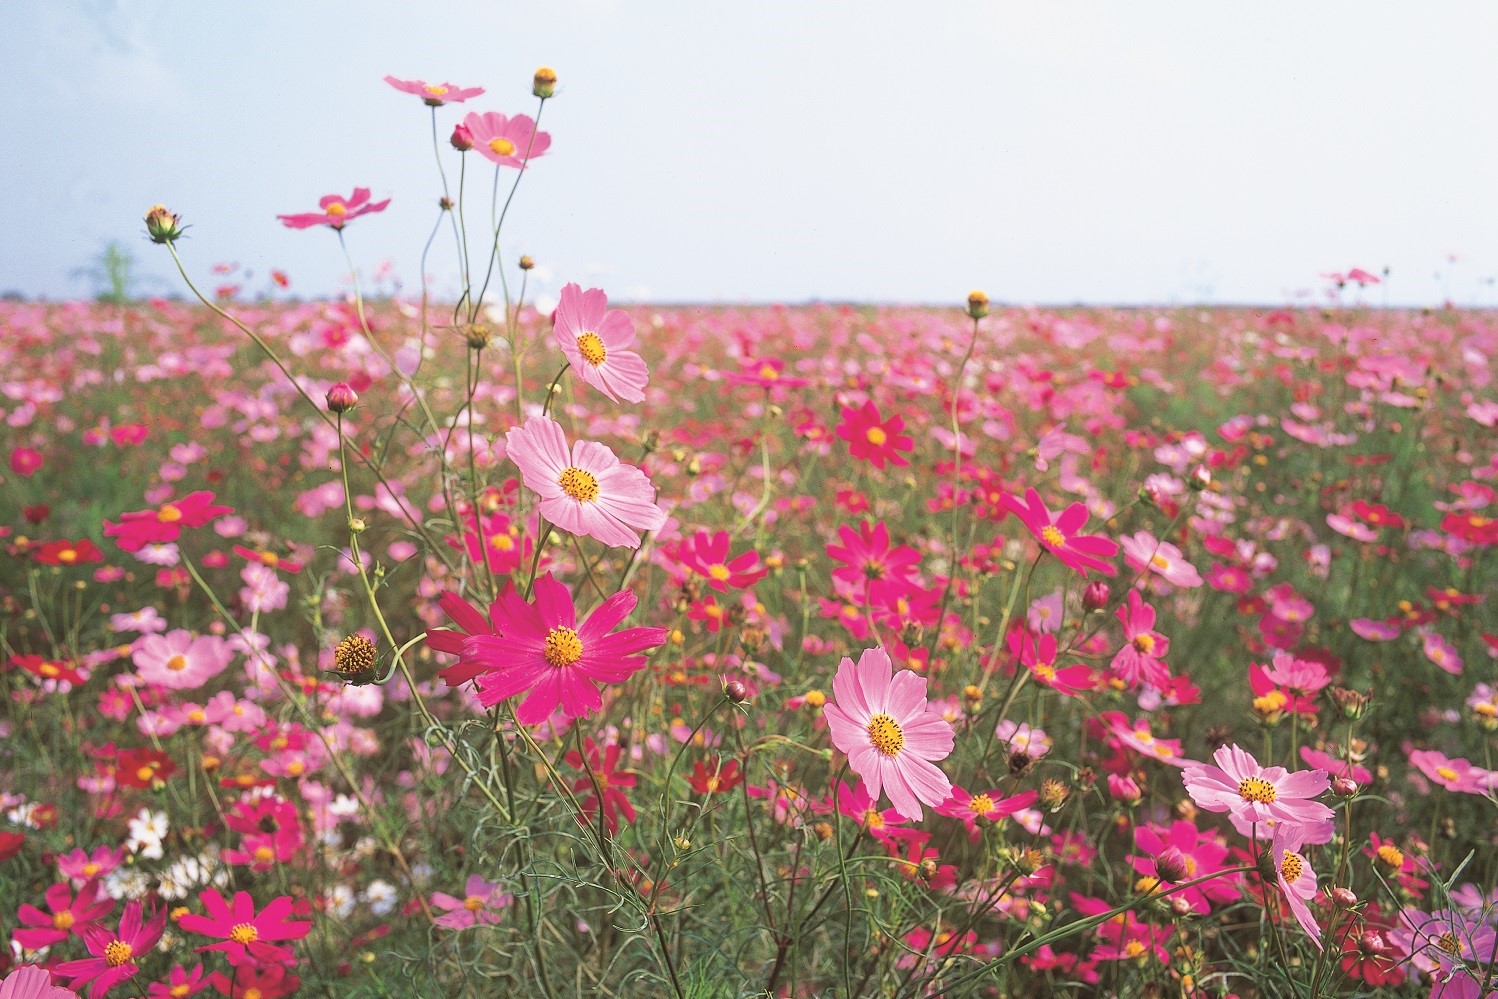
[1056,152]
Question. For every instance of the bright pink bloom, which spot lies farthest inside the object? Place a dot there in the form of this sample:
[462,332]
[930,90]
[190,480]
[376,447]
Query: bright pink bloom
[891,734]
[1060,535]
[588,492]
[544,650]
[26,461]
[597,340]
[1458,775]
[510,142]
[857,804]
[337,211]
[1039,657]
[872,439]
[1203,855]
[244,932]
[69,916]
[1258,796]
[1335,766]
[707,555]
[1441,652]
[766,372]
[1141,660]
[155,527]
[1296,880]
[114,954]
[870,561]
[1163,558]
[1305,676]
[470,621]
[990,806]
[435,94]
[480,905]
[600,784]
[1139,738]
[32,982]
[79,866]
[500,543]
[179,983]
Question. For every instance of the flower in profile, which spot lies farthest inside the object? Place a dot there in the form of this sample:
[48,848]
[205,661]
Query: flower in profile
[165,523]
[767,373]
[1164,559]
[32,982]
[480,905]
[872,439]
[891,734]
[244,932]
[708,556]
[114,953]
[1296,880]
[597,340]
[1458,775]
[1255,796]
[601,782]
[1039,657]
[587,491]
[69,915]
[506,141]
[435,94]
[989,806]
[80,552]
[1142,658]
[336,210]
[1060,535]
[542,649]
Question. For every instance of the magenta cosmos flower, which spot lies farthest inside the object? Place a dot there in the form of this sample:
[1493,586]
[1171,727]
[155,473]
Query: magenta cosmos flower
[1454,775]
[1061,535]
[32,982]
[1142,658]
[1259,796]
[337,211]
[873,439]
[892,736]
[480,905]
[596,340]
[69,915]
[114,954]
[180,661]
[435,94]
[165,523]
[589,491]
[510,142]
[541,648]
[243,931]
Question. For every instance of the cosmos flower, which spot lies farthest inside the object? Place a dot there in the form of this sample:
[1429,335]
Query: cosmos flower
[708,556]
[587,492]
[165,523]
[244,933]
[336,210]
[80,552]
[480,905]
[1458,775]
[69,915]
[114,953]
[1164,559]
[179,660]
[988,806]
[1141,660]
[435,94]
[32,982]
[1060,535]
[600,784]
[1039,657]
[872,439]
[596,341]
[506,141]
[889,731]
[1258,796]
[1296,880]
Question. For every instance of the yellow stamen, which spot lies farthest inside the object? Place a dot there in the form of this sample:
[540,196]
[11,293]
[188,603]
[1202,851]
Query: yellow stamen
[885,735]
[502,147]
[1258,790]
[580,485]
[590,345]
[563,647]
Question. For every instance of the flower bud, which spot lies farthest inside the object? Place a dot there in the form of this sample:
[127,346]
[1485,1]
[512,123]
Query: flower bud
[526,263]
[462,139]
[1344,787]
[545,83]
[162,226]
[1124,789]
[342,398]
[1201,478]
[977,304]
[1095,596]
[735,691]
[1179,907]
[1172,865]
[445,203]
[1344,897]
[1053,794]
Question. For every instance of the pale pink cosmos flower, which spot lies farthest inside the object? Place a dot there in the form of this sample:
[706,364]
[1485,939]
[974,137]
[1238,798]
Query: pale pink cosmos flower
[1259,798]
[596,341]
[1161,557]
[32,982]
[480,905]
[1458,775]
[1297,882]
[1441,652]
[179,660]
[510,142]
[1304,675]
[892,736]
[435,94]
[589,491]
[336,211]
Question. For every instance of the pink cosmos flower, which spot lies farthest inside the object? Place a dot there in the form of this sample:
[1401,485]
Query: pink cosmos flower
[1141,739]
[1258,796]
[1141,660]
[179,983]
[114,954]
[180,661]
[510,142]
[1375,631]
[1296,880]
[597,340]
[435,94]
[243,932]
[470,621]
[32,982]
[1441,652]
[155,527]
[872,439]
[858,805]
[480,905]
[1161,557]
[1039,657]
[1303,675]
[1458,775]
[542,649]
[337,211]
[892,736]
[869,560]
[26,461]
[1201,853]
[588,492]
[1335,766]
[708,556]
[1060,535]
[79,866]
[69,916]
[990,806]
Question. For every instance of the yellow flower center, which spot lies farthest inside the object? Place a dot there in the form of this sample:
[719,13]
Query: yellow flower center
[177,664]
[502,542]
[1052,537]
[1446,773]
[170,514]
[563,647]
[197,717]
[48,670]
[877,436]
[67,556]
[270,558]
[179,991]
[336,209]
[146,772]
[1291,867]
[264,855]
[435,90]
[295,768]
[1145,644]
[1147,885]
[768,372]
[1046,671]
[502,147]
[117,952]
[591,347]
[873,818]
[885,735]
[90,869]
[244,933]
[816,698]
[719,572]
[981,804]
[1257,789]
[1447,941]
[63,920]
[580,485]
[473,903]
[253,993]
[1134,948]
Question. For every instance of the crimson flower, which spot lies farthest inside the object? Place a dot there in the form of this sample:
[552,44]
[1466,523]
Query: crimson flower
[600,782]
[1060,535]
[165,523]
[244,932]
[872,439]
[48,669]
[114,954]
[80,552]
[337,211]
[715,776]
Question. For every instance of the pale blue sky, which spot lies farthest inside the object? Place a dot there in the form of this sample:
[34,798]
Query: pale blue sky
[781,151]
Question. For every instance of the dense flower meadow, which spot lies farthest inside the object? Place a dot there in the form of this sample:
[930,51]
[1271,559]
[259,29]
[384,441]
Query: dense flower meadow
[369,647]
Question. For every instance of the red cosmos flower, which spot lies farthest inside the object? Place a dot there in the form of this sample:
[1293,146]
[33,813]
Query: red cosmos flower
[1040,658]
[48,669]
[80,552]
[1369,952]
[715,776]
[872,439]
[500,543]
[1376,514]
[1060,537]
[435,94]
[1471,527]
[69,915]
[337,211]
[165,523]
[269,981]
[244,933]
[707,555]
[601,781]
[143,767]
[25,461]
[268,558]
[869,560]
[10,844]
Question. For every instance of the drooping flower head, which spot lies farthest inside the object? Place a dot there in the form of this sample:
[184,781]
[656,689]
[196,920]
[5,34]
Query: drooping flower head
[1060,535]
[510,142]
[597,340]
[336,211]
[891,734]
[435,94]
[586,491]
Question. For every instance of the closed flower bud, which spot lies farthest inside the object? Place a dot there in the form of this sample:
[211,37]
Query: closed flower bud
[526,263]
[1172,865]
[1200,479]
[545,83]
[1344,787]
[445,203]
[1344,897]
[462,139]
[735,691]
[1124,789]
[1180,908]
[161,225]
[1095,595]
[977,304]
[342,398]
[1351,702]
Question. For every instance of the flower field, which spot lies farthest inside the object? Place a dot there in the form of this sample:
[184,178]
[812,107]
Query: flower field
[369,647]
